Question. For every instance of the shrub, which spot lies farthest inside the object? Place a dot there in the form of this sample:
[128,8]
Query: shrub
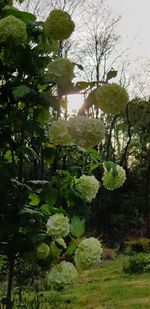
[136,264]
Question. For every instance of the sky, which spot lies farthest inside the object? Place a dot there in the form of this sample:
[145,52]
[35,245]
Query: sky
[134,25]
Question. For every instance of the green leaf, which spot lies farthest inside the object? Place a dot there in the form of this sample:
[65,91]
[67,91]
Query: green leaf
[77,227]
[80,66]
[111,166]
[46,208]
[38,237]
[71,248]
[111,74]
[94,154]
[31,211]
[42,87]
[51,196]
[41,115]
[35,200]
[93,166]
[24,16]
[27,151]
[81,85]
[21,91]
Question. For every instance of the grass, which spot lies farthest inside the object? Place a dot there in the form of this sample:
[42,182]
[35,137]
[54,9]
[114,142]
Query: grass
[105,287]
[108,287]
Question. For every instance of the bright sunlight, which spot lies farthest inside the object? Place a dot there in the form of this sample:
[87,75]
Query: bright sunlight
[74,103]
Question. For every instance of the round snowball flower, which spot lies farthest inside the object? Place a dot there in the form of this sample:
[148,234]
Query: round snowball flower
[43,251]
[58,226]
[59,25]
[112,182]
[111,98]
[12,31]
[60,71]
[86,132]
[88,187]
[59,133]
[88,253]
[62,276]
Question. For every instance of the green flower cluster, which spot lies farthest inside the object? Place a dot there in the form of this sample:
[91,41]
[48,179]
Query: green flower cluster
[13,35]
[88,253]
[58,226]
[43,251]
[111,181]
[111,98]
[59,25]
[88,187]
[79,130]
[60,72]
[86,132]
[62,276]
[59,134]
[12,31]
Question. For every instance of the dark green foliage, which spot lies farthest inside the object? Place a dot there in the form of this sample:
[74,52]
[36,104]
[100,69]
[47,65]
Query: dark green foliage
[137,263]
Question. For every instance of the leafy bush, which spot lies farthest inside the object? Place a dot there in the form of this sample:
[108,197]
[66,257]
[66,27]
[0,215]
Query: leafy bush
[138,263]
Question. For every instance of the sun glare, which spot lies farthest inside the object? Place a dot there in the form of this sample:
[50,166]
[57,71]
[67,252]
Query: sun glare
[74,103]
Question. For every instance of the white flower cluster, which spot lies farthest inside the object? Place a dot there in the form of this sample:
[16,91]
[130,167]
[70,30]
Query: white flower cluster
[86,132]
[43,251]
[59,133]
[62,276]
[58,226]
[111,98]
[88,187]
[59,25]
[80,130]
[60,71]
[112,182]
[88,253]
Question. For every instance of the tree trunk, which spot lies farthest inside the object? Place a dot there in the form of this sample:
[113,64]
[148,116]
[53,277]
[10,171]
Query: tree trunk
[10,281]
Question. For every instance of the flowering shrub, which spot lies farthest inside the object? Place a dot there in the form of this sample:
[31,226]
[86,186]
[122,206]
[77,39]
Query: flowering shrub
[111,181]
[43,251]
[60,71]
[59,134]
[86,132]
[59,25]
[12,31]
[88,186]
[58,226]
[88,253]
[62,275]
[111,98]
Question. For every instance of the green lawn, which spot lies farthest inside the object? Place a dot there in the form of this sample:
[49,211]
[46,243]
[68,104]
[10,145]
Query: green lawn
[103,287]
[108,287]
